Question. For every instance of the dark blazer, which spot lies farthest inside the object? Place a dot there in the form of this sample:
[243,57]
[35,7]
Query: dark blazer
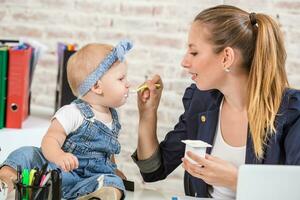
[282,148]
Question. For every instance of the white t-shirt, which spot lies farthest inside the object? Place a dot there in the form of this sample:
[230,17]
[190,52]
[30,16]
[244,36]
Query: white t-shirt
[235,155]
[70,117]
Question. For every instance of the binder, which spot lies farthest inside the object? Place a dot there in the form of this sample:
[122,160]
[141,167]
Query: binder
[38,49]
[3,78]
[64,93]
[18,86]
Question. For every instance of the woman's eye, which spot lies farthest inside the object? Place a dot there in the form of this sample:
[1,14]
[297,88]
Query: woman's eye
[193,53]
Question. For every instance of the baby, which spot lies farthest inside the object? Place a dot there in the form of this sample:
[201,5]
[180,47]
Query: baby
[82,137]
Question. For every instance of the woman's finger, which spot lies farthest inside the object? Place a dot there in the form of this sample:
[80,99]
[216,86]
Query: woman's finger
[190,166]
[157,79]
[198,159]
[145,95]
[212,158]
[191,170]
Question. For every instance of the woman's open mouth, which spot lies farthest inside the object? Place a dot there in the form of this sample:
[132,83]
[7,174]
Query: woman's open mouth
[194,75]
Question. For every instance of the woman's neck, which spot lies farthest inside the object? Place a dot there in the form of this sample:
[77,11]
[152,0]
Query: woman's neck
[235,93]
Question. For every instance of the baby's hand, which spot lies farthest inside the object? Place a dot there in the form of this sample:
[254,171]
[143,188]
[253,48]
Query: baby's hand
[67,162]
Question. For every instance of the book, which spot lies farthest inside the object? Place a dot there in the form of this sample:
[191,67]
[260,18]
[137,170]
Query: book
[3,80]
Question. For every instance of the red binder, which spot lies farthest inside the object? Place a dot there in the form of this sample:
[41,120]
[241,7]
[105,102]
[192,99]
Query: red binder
[18,86]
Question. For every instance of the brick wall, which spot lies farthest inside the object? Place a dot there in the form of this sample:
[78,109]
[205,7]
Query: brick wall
[159,31]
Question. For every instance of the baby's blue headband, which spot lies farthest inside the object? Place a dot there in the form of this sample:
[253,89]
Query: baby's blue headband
[117,53]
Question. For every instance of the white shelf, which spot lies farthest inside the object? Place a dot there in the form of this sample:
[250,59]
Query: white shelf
[31,134]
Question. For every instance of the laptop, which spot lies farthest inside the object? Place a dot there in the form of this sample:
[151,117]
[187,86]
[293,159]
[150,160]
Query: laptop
[264,182]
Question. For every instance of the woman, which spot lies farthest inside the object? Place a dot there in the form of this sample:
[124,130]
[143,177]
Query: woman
[240,103]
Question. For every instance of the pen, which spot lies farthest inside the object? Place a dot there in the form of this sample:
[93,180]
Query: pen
[39,174]
[19,171]
[31,176]
[25,182]
[56,183]
[45,179]
[31,179]
[43,183]
[25,177]
[36,179]
[44,169]
[19,190]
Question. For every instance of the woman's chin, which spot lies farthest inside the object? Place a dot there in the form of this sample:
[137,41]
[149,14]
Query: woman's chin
[202,86]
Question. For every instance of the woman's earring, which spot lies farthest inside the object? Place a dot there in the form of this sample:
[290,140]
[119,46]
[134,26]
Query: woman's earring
[227,69]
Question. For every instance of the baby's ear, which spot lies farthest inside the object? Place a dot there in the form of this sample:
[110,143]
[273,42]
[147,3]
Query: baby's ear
[97,88]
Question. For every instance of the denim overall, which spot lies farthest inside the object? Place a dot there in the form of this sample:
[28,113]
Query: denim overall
[93,143]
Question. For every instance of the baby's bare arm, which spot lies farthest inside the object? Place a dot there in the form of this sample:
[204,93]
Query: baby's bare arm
[51,147]
[53,140]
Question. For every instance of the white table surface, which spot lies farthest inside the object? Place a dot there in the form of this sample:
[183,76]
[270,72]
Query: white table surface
[145,194]
[31,134]
[150,194]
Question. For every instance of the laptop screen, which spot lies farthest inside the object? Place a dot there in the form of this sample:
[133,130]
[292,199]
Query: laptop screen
[264,182]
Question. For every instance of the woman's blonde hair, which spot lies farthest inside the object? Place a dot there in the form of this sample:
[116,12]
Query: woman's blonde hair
[260,42]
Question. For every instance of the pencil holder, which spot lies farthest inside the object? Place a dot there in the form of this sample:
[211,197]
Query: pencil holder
[25,192]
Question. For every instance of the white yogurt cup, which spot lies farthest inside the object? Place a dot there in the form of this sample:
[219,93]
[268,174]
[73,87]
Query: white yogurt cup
[197,147]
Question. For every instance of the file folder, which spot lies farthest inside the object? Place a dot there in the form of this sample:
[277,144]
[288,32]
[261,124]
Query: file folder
[38,49]
[3,79]
[64,93]
[18,86]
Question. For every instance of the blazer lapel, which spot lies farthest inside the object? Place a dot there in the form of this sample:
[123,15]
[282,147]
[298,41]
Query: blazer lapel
[207,126]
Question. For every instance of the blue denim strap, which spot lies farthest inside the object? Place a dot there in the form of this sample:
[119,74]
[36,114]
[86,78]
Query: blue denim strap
[117,53]
[116,124]
[84,108]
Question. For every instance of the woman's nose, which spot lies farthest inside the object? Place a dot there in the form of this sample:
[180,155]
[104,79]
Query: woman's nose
[184,62]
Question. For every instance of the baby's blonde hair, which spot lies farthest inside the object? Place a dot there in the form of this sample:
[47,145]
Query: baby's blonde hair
[85,61]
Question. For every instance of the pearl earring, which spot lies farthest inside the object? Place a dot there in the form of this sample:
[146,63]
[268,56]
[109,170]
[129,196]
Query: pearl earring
[227,69]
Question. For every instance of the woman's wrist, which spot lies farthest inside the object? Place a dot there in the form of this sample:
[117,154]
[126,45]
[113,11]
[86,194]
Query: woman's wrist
[150,114]
[233,184]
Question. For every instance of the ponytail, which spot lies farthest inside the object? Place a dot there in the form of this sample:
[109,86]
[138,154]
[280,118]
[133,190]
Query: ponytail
[267,81]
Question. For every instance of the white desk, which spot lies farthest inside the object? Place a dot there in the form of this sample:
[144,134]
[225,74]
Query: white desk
[146,194]
[149,194]
[31,134]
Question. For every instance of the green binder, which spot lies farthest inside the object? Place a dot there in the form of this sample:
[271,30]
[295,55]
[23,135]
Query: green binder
[3,79]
